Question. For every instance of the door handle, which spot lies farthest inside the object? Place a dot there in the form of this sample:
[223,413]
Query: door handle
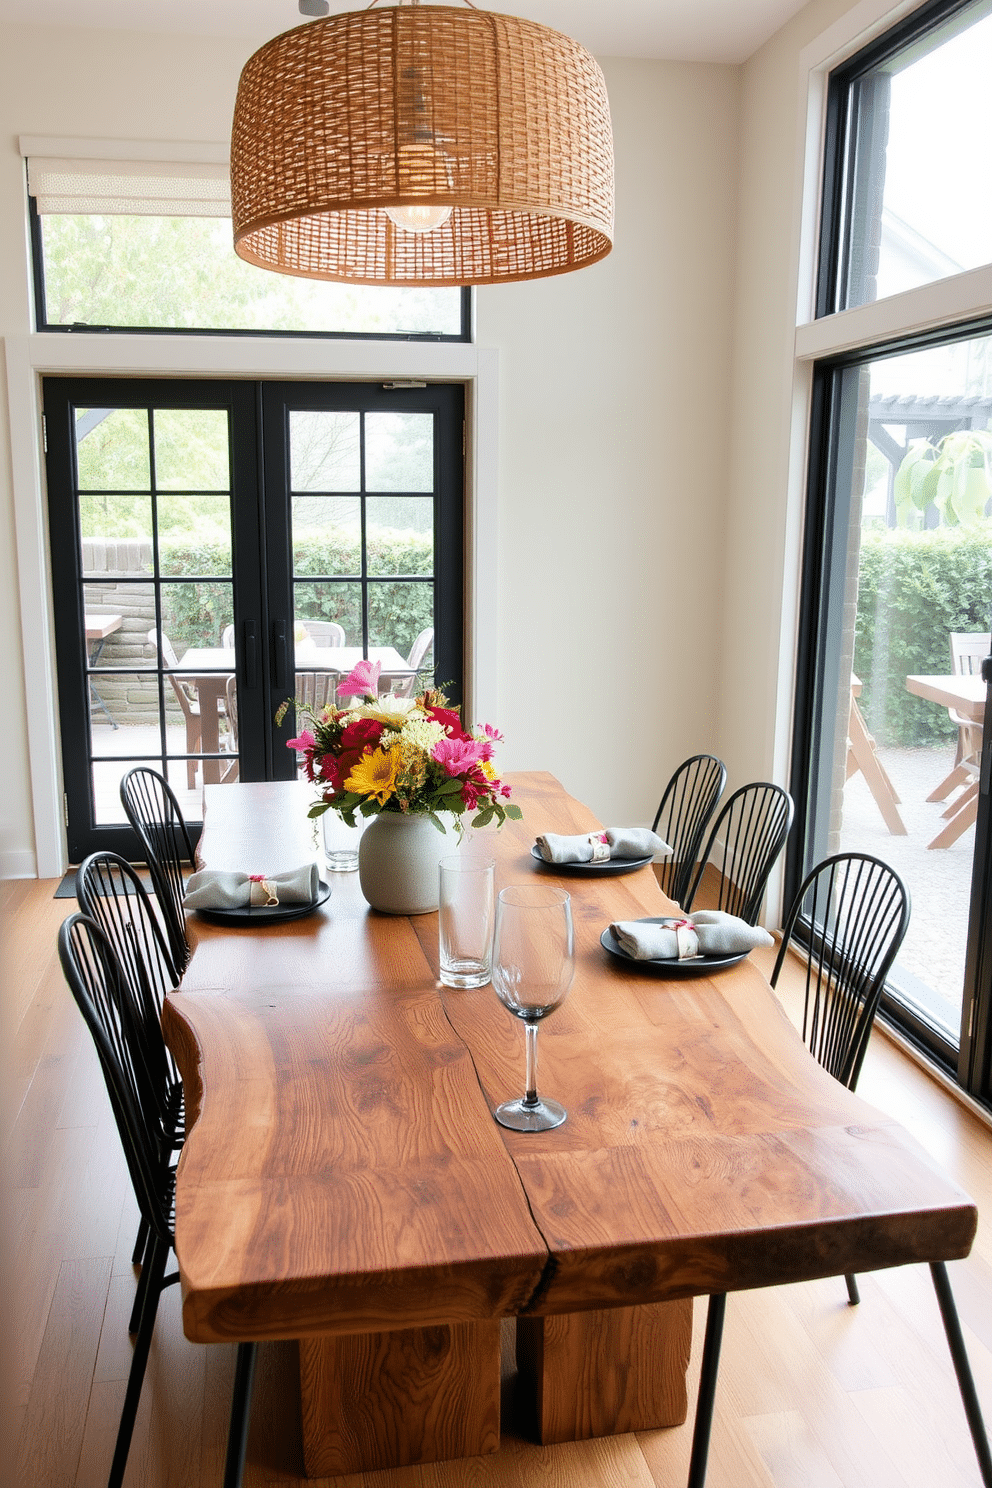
[279,653]
[250,653]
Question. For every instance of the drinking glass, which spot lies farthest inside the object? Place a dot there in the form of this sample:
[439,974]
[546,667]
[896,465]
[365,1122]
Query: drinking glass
[533,966]
[465,920]
[341,842]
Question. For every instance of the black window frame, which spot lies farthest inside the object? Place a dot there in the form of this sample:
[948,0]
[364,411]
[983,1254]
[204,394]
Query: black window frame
[843,139]
[847,143]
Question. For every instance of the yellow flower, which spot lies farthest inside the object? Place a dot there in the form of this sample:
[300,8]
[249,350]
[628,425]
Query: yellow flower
[374,776]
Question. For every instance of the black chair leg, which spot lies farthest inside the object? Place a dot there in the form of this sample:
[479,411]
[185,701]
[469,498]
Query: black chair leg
[707,1389]
[140,1244]
[962,1368]
[853,1295]
[237,1437]
[151,1276]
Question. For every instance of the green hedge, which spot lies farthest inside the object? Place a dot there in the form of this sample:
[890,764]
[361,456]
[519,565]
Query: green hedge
[397,612]
[914,589]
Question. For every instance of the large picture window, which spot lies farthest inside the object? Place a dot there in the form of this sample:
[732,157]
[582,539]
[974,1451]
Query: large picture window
[897,583]
[124,245]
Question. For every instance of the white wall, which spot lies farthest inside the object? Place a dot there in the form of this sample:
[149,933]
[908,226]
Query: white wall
[614,389]
[763,515]
[613,394]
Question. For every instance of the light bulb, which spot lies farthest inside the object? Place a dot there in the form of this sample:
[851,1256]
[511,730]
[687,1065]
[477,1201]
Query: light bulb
[418,219]
[421,169]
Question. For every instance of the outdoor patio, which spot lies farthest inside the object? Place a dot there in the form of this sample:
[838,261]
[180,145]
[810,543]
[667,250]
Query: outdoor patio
[933,953]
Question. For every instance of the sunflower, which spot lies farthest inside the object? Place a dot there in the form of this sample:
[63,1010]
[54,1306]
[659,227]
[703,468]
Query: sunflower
[374,776]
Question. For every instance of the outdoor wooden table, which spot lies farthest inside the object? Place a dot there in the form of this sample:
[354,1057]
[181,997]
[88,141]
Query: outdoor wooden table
[209,667]
[98,628]
[966,695]
[344,1182]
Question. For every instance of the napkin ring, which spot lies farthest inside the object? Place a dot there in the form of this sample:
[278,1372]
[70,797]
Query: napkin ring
[686,940]
[600,844]
[265,886]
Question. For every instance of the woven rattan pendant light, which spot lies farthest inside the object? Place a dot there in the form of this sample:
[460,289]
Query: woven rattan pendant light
[427,107]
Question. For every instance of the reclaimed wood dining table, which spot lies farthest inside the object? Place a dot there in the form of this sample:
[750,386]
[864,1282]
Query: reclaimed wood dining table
[344,1183]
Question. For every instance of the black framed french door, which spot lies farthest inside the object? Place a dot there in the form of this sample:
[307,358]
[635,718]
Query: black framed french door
[220,546]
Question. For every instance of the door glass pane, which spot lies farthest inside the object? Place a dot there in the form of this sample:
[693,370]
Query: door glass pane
[903,737]
[398,613]
[321,608]
[116,533]
[191,452]
[399,452]
[106,776]
[196,614]
[324,450]
[400,535]
[194,535]
[112,449]
[921,210]
[118,616]
[327,535]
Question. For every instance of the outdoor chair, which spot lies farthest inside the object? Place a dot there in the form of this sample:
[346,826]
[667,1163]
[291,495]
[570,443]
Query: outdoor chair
[185,697]
[98,985]
[744,843]
[847,921]
[153,811]
[688,803]
[403,684]
[324,632]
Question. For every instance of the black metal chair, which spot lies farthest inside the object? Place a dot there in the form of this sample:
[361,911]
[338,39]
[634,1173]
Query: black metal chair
[110,892]
[745,841]
[687,805]
[154,813]
[847,921]
[99,986]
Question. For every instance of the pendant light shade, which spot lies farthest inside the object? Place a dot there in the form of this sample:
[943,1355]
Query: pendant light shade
[422,144]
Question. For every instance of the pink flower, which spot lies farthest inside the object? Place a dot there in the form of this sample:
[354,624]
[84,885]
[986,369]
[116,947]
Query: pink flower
[492,733]
[362,680]
[303,743]
[457,755]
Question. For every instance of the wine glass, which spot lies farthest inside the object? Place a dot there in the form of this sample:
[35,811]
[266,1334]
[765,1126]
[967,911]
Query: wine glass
[533,966]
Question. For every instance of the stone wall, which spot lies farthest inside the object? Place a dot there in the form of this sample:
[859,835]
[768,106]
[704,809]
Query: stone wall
[109,588]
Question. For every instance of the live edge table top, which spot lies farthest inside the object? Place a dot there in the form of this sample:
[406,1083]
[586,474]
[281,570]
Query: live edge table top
[343,1172]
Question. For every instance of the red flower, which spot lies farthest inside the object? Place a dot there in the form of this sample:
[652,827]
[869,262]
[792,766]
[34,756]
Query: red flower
[360,734]
[449,721]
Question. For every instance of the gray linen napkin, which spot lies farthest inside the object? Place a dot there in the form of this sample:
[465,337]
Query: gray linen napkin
[714,933]
[587,847]
[213,888]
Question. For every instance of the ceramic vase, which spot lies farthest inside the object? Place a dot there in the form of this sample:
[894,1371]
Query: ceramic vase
[398,863]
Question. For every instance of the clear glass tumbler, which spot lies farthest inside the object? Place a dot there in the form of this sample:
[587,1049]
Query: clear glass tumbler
[341,842]
[465,919]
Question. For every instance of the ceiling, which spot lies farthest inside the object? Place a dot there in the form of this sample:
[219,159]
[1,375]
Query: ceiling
[680,30]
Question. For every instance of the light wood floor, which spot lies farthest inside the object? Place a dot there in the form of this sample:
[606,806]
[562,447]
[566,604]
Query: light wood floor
[812,1393]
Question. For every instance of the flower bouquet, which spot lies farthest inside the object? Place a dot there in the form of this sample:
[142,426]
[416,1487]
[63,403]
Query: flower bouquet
[396,754]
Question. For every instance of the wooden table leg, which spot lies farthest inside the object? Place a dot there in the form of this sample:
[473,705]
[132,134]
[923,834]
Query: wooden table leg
[965,815]
[383,1400]
[602,1373]
[862,756]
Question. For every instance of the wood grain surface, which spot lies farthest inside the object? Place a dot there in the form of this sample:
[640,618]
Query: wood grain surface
[344,1174]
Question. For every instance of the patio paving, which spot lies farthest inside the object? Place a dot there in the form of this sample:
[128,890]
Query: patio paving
[939,881]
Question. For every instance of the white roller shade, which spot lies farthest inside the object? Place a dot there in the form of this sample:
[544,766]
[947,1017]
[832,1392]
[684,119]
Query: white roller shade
[93,182]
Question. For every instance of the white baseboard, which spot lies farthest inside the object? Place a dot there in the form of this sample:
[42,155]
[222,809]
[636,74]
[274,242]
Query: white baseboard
[18,864]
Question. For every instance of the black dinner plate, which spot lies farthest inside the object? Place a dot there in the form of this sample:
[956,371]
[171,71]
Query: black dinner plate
[265,914]
[694,966]
[602,870]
